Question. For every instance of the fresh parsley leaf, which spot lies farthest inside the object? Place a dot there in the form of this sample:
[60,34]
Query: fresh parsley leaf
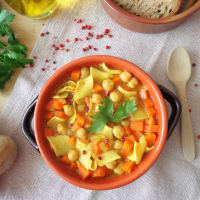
[124,109]
[12,55]
[98,122]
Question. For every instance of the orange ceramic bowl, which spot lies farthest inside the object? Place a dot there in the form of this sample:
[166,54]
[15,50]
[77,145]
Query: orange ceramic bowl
[143,25]
[57,166]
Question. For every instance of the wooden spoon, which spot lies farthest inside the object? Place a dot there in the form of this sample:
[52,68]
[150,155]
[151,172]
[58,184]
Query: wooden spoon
[179,72]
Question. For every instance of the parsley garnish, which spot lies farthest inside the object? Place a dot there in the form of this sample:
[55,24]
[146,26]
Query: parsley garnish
[106,114]
[12,53]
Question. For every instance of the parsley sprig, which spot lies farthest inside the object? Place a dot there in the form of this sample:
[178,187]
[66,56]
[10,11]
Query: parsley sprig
[106,114]
[12,53]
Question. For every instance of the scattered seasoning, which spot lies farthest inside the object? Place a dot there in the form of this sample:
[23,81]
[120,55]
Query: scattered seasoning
[99,158]
[84,152]
[97,37]
[101,36]
[67,40]
[106,31]
[90,34]
[83,27]
[63,49]
[61,45]
[46,61]
[87,38]
[54,53]
[54,37]
[34,57]
[53,45]
[42,34]
[54,62]
[54,69]
[89,47]
[67,50]
[110,36]
[89,27]
[95,49]
[123,139]
[84,49]
[48,66]
[108,47]
[75,20]
[43,69]
[47,33]
[56,48]
[106,141]
[43,24]
[86,109]
[31,65]
[190,110]
[193,64]
[79,21]
[198,137]
[195,84]
[75,39]
[81,40]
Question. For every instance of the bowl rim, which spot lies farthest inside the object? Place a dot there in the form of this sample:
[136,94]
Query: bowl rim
[143,20]
[37,121]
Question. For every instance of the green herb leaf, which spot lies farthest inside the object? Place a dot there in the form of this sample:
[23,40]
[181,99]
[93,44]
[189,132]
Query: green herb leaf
[5,17]
[124,109]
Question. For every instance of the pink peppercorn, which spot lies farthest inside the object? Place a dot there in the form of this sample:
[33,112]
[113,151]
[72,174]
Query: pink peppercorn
[43,69]
[98,36]
[75,39]
[54,69]
[54,53]
[61,45]
[190,110]
[67,40]
[81,40]
[34,57]
[95,49]
[47,33]
[56,48]
[108,47]
[79,21]
[46,60]
[42,34]
[110,36]
[106,31]
[84,49]
[48,66]
[87,38]
[31,65]
[89,46]
[198,137]
[83,27]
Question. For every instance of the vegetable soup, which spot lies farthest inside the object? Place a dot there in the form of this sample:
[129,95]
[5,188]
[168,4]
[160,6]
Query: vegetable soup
[101,122]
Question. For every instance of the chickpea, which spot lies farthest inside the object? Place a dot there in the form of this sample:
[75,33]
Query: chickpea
[118,132]
[73,155]
[108,84]
[85,72]
[97,98]
[81,133]
[69,110]
[117,144]
[115,96]
[133,83]
[80,108]
[111,165]
[125,122]
[118,170]
[61,128]
[125,76]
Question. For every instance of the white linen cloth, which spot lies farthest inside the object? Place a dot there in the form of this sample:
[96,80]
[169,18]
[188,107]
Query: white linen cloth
[171,177]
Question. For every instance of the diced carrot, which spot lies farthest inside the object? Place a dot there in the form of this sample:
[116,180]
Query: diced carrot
[96,147]
[48,115]
[151,128]
[127,130]
[75,126]
[49,132]
[127,148]
[73,166]
[117,80]
[75,75]
[137,135]
[131,138]
[137,125]
[148,103]
[125,87]
[54,105]
[97,88]
[81,119]
[100,172]
[87,100]
[152,111]
[63,101]
[84,172]
[151,139]
[144,94]
[72,140]
[65,159]
[128,166]
[61,114]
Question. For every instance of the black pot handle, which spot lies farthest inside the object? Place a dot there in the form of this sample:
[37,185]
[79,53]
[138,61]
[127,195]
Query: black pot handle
[27,119]
[176,108]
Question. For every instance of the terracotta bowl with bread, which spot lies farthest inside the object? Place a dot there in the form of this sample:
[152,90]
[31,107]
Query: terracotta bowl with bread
[153,16]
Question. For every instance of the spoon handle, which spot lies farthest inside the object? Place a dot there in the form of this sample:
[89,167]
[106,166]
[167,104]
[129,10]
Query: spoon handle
[186,125]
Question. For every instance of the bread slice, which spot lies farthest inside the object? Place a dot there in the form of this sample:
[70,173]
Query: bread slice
[150,8]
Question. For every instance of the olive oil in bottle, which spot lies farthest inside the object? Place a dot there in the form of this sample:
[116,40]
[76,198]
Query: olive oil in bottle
[34,8]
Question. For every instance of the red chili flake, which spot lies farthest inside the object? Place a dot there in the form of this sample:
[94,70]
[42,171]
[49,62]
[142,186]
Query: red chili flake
[47,33]
[194,65]
[54,62]
[84,49]
[108,47]
[101,36]
[79,21]
[53,45]
[81,40]
[95,49]
[98,36]
[34,57]
[61,45]
[110,36]
[56,48]
[99,158]
[67,40]
[195,84]
[43,69]
[54,69]
[90,34]
[198,137]
[106,141]
[31,65]
[106,31]
[46,60]
[84,152]
[89,47]
[75,39]
[75,20]
[42,34]
[67,50]
[48,66]
[83,27]
[190,110]
[89,27]
[123,139]
[63,49]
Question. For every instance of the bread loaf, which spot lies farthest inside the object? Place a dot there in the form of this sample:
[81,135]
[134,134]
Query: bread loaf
[8,152]
[150,8]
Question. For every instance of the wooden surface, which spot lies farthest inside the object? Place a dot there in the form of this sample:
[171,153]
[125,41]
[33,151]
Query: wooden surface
[26,30]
